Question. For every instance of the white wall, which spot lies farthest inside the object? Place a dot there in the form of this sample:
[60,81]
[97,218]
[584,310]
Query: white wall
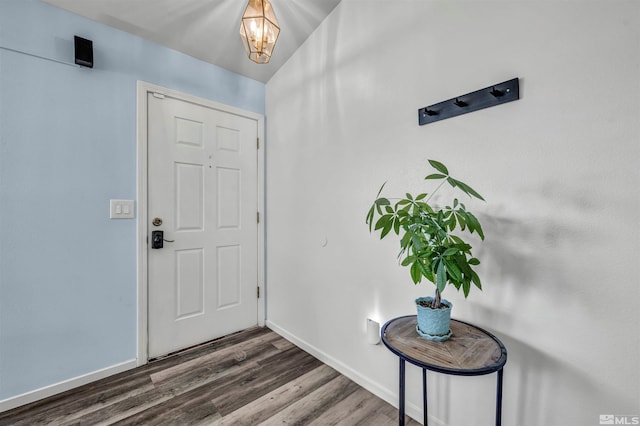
[559,170]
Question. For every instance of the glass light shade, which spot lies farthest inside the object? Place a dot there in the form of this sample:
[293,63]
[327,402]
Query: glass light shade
[259,30]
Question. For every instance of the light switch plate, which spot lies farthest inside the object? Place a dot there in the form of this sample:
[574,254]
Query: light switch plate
[121,209]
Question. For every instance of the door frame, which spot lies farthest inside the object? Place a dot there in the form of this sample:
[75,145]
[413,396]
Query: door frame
[143,88]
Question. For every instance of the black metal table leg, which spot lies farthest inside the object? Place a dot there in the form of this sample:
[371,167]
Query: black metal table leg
[424,397]
[401,395]
[499,400]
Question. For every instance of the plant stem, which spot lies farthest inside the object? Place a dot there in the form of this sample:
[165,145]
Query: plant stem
[436,300]
[435,190]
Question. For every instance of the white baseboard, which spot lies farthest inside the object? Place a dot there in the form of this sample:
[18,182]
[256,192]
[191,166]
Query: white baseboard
[375,388]
[47,391]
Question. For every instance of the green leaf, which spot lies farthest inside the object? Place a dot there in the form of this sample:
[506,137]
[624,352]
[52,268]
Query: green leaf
[416,241]
[424,207]
[468,190]
[387,228]
[450,251]
[476,280]
[421,196]
[461,220]
[380,191]
[370,214]
[473,221]
[435,176]
[424,267]
[456,239]
[382,201]
[406,240]
[452,223]
[382,222]
[453,270]
[439,166]
[466,286]
[441,276]
[473,261]
[426,271]
[465,268]
[416,273]
[408,260]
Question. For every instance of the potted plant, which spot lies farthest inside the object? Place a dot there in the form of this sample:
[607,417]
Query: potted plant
[429,248]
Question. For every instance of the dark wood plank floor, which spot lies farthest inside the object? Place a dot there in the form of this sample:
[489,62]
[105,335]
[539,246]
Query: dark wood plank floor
[249,378]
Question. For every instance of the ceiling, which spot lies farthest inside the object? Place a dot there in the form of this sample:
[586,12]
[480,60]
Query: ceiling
[206,29]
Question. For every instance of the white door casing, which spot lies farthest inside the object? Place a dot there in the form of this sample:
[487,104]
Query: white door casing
[204,180]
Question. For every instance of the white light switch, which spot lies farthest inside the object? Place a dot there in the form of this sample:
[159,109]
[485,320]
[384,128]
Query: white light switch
[121,209]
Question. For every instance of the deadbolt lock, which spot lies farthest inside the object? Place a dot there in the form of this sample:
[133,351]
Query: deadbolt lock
[156,221]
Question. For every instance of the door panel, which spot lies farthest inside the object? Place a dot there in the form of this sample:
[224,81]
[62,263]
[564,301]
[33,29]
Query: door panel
[189,282]
[202,183]
[229,276]
[189,184]
[228,198]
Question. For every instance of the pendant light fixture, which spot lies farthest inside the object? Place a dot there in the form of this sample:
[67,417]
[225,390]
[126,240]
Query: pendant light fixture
[259,30]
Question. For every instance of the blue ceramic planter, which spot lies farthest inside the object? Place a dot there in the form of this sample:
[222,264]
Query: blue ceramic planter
[434,324]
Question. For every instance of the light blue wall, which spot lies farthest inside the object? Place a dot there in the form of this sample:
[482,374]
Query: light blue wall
[68,145]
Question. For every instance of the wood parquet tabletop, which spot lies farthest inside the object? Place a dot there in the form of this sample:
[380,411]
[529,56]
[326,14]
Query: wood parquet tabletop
[470,351]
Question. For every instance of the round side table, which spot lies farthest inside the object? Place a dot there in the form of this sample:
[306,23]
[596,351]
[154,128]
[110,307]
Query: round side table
[471,351]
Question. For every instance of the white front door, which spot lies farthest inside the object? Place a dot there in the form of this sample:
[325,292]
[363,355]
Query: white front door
[202,187]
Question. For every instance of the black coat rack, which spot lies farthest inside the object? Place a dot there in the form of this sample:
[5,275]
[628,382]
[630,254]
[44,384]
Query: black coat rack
[484,98]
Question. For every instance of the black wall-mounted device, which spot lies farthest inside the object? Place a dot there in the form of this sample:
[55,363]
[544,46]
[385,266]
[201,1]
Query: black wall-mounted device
[83,51]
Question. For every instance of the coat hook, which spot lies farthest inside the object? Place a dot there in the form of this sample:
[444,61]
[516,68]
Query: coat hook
[460,103]
[496,93]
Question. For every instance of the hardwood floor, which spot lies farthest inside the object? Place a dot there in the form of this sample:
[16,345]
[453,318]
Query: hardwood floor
[254,377]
